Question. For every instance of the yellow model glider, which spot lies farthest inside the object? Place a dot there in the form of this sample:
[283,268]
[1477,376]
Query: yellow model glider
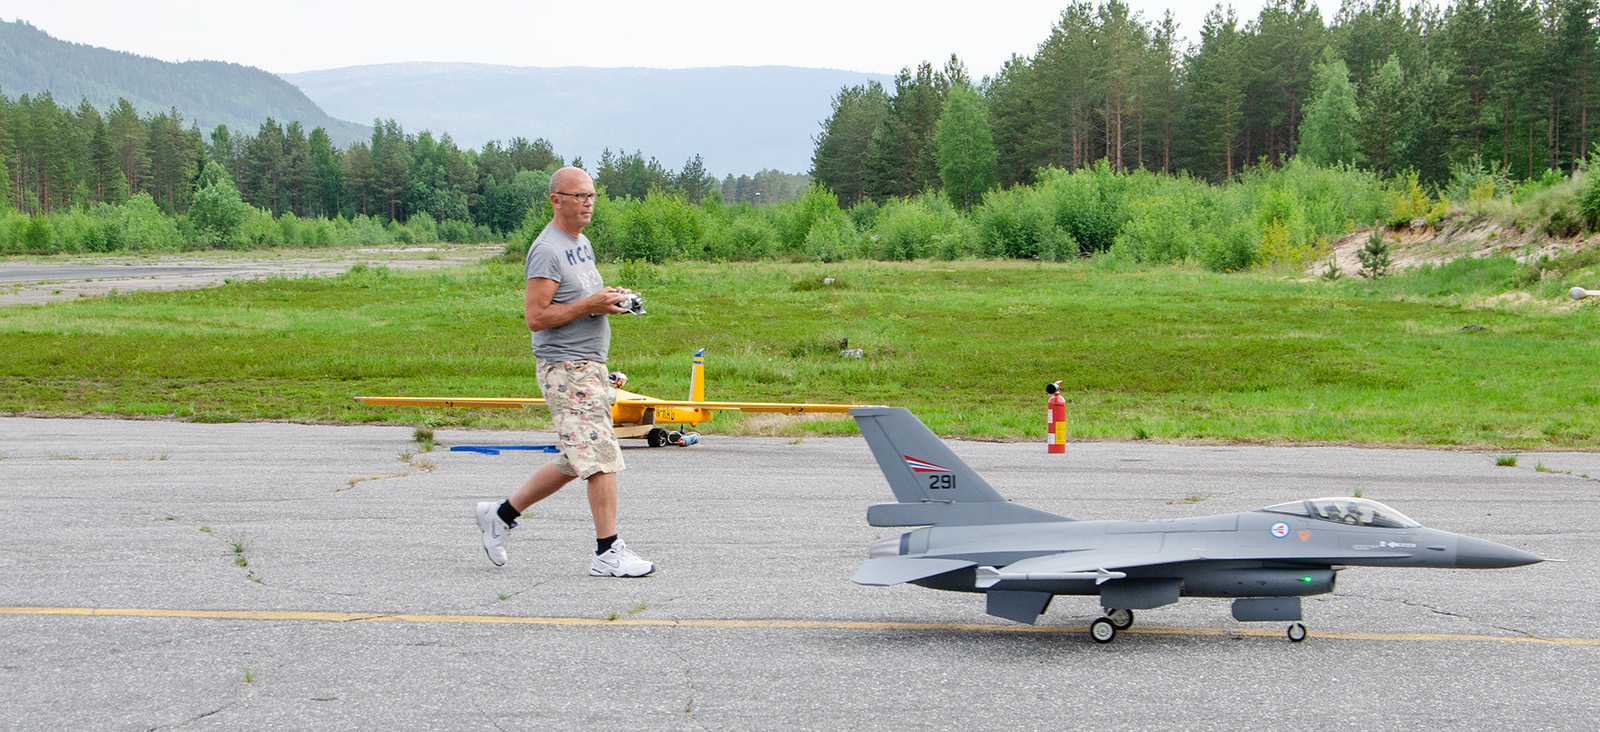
[636,415]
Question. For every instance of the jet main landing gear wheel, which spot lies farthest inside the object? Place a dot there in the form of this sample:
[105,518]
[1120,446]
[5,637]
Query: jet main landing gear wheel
[656,437]
[1120,619]
[1102,630]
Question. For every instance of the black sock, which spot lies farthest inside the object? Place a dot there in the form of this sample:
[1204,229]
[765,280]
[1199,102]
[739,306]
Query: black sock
[508,514]
[604,545]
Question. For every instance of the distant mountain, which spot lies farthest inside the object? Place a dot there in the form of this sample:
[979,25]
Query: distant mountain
[207,93]
[740,119]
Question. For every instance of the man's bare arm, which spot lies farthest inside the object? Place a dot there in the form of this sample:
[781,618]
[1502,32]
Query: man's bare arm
[540,313]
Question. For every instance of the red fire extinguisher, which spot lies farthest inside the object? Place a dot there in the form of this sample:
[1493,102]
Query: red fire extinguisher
[1056,420]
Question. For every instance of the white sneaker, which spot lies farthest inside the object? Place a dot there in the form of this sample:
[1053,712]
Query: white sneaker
[494,531]
[619,562]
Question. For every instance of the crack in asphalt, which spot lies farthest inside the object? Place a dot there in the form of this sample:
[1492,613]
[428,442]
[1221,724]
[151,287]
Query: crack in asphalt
[1446,613]
[194,719]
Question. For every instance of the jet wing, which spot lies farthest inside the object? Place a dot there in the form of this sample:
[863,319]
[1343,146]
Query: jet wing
[622,401]
[1092,560]
[1093,563]
[894,570]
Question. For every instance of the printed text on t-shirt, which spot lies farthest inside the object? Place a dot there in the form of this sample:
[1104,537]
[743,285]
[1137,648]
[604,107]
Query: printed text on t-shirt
[581,253]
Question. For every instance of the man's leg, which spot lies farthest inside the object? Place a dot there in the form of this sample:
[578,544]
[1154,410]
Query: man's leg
[544,483]
[603,504]
[496,520]
[612,557]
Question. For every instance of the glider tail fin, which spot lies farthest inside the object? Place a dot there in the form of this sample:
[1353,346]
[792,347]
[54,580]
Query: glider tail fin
[697,377]
[931,484]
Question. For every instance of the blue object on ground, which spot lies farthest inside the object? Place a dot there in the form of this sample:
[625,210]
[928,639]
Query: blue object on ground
[495,449]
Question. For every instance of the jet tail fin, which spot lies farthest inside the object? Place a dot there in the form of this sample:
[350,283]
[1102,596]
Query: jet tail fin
[931,484]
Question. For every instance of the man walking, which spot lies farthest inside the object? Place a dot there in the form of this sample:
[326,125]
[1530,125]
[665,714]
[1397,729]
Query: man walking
[566,306]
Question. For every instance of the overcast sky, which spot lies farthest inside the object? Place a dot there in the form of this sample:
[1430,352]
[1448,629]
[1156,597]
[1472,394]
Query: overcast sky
[284,36]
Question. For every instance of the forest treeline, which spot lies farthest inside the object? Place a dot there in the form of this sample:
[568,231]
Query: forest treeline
[1387,87]
[1258,145]
[57,157]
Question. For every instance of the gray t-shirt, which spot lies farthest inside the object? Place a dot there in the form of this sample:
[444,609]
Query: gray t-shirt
[569,260]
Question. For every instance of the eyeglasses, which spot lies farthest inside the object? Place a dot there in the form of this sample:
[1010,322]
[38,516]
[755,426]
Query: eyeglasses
[582,197]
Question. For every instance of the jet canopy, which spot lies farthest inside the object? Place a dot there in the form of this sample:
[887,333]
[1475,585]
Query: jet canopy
[1354,511]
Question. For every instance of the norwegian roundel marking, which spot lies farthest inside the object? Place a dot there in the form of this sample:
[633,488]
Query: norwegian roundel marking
[1280,529]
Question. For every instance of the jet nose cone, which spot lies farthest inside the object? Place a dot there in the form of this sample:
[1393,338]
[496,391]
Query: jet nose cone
[1480,554]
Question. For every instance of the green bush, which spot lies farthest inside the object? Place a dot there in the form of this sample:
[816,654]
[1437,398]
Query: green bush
[1178,220]
[11,225]
[145,226]
[38,235]
[663,226]
[794,219]
[461,232]
[913,228]
[216,210]
[831,239]
[1234,251]
[1333,199]
[1589,201]
[864,215]
[960,242]
[1018,223]
[1287,237]
[258,231]
[362,231]
[1408,202]
[419,229]
[1471,183]
[1087,204]
[748,237]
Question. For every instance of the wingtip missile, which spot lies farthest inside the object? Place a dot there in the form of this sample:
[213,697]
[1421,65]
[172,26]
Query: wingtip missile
[990,576]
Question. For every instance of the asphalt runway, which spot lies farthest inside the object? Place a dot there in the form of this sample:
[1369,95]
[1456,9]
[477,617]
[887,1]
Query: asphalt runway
[161,575]
[30,282]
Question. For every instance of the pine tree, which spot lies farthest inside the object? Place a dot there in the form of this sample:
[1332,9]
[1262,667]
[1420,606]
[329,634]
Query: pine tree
[326,175]
[842,146]
[1215,115]
[130,140]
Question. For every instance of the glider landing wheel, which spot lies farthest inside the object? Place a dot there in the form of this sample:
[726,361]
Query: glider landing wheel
[656,437]
[1120,619]
[1297,632]
[1102,631]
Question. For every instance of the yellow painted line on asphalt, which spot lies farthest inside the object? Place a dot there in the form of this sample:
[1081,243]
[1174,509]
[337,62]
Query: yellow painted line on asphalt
[331,617]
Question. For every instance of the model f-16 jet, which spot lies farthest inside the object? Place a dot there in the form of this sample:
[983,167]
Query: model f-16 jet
[974,540]
[635,415]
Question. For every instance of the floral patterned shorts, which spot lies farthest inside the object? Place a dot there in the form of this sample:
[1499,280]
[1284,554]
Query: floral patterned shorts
[580,395]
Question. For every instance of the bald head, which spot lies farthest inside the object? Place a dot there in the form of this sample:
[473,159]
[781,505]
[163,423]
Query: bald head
[568,176]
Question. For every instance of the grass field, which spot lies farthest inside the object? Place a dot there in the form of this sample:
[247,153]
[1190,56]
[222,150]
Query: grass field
[968,346]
